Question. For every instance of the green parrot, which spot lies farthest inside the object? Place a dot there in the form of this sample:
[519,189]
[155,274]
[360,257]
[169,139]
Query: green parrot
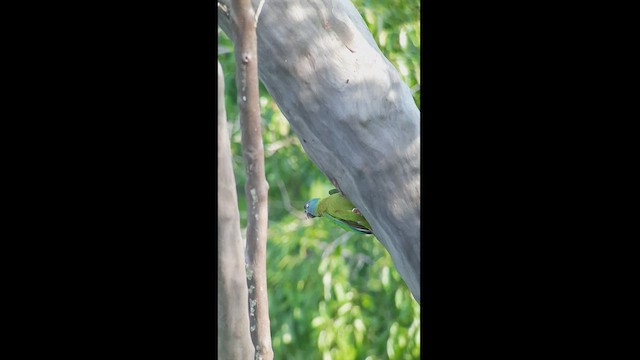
[337,208]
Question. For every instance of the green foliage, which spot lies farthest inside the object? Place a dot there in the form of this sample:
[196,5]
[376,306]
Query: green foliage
[395,25]
[332,294]
[336,295]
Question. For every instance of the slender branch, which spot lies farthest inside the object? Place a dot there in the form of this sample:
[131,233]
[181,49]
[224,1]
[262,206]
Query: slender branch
[258,11]
[224,8]
[234,340]
[334,244]
[271,148]
[287,203]
[243,22]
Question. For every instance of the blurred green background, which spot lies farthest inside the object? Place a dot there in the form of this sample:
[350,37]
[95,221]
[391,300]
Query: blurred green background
[332,294]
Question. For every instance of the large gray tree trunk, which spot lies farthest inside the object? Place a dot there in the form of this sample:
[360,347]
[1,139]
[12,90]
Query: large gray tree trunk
[355,117]
[234,339]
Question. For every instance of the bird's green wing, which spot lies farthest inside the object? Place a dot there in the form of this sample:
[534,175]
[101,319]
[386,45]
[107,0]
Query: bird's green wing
[339,208]
[351,217]
[348,225]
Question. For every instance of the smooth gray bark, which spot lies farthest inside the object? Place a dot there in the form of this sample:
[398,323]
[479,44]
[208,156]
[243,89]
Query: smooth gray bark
[256,188]
[234,340]
[353,114]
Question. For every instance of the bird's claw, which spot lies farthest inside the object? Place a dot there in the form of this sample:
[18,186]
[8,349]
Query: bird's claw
[356,211]
[335,184]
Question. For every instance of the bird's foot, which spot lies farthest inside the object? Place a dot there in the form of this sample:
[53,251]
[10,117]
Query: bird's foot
[335,184]
[356,211]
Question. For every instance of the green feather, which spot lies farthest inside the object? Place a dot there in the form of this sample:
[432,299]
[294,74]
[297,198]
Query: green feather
[339,210]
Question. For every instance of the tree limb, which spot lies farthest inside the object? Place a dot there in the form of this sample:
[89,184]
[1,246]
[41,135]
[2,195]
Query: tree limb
[243,23]
[234,340]
[353,114]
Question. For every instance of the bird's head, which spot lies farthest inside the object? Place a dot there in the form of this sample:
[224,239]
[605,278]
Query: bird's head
[310,208]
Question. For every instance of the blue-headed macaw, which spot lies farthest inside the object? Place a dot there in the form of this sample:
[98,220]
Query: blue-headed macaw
[337,208]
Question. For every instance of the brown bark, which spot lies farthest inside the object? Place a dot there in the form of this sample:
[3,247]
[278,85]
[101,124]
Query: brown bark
[234,339]
[354,116]
[244,23]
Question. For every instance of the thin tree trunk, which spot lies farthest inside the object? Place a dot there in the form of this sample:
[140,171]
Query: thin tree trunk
[244,24]
[353,114]
[234,339]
